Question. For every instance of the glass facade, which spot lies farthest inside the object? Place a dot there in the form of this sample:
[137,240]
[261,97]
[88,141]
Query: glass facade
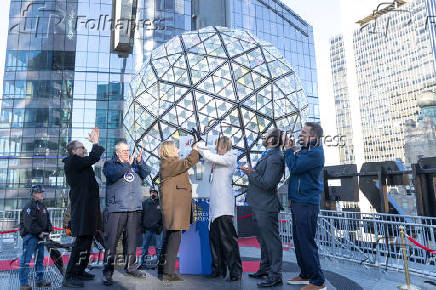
[61,79]
[272,21]
[395,63]
[216,80]
[36,107]
[341,95]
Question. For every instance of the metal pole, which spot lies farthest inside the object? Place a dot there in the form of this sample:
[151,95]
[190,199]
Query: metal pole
[403,246]
[407,286]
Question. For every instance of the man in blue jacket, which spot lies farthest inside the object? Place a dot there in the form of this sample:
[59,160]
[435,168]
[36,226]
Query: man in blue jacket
[305,188]
[124,175]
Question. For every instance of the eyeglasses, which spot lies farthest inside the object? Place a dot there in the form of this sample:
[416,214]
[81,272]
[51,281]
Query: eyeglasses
[80,147]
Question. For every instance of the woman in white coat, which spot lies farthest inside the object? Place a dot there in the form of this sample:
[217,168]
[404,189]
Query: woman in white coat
[222,234]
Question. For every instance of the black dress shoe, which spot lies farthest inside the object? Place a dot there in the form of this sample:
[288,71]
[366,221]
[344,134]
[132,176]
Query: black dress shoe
[235,278]
[136,273]
[107,279]
[72,283]
[214,275]
[258,275]
[85,276]
[270,283]
[43,284]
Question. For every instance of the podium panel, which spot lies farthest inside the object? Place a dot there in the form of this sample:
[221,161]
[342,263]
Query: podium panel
[194,251]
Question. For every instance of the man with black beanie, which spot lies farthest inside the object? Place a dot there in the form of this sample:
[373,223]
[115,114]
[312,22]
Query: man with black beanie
[151,223]
[34,225]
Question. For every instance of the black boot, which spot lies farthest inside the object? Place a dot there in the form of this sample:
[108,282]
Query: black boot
[258,275]
[270,282]
[107,279]
[85,276]
[72,283]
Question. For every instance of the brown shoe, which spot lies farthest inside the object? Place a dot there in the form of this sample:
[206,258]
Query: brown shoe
[314,287]
[297,280]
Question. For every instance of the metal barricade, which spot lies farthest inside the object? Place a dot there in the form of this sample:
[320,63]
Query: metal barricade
[11,249]
[371,239]
[11,243]
[10,279]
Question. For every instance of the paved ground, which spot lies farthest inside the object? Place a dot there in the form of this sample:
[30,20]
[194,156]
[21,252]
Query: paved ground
[339,275]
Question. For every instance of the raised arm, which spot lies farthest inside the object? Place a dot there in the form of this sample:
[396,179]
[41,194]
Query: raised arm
[271,176]
[142,168]
[79,163]
[304,162]
[227,160]
[115,170]
[182,165]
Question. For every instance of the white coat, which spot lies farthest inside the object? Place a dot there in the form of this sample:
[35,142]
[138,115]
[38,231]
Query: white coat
[222,201]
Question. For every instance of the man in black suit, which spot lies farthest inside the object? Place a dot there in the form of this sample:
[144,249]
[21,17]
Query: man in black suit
[85,207]
[263,199]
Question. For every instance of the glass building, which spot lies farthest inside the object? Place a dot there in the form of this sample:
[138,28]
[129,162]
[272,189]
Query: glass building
[395,57]
[62,76]
[341,95]
[218,81]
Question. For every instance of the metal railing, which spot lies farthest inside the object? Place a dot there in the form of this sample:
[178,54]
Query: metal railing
[11,243]
[371,239]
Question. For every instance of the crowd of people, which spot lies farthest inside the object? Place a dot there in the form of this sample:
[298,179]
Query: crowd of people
[168,211]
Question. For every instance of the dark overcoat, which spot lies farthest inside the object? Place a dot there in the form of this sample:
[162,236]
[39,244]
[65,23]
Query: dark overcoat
[84,193]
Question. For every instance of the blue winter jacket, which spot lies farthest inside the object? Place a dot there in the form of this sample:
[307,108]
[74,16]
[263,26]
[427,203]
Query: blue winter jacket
[305,180]
[124,184]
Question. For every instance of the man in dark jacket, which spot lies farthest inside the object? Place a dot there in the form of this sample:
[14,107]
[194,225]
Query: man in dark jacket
[305,188]
[34,225]
[263,199]
[124,175]
[84,198]
[151,223]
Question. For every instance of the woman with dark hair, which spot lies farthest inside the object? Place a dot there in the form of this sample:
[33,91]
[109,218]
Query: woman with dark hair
[176,204]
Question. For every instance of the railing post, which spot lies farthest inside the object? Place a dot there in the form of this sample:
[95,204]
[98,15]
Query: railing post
[376,239]
[407,286]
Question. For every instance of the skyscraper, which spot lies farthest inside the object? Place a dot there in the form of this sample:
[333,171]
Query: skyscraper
[63,76]
[341,95]
[395,57]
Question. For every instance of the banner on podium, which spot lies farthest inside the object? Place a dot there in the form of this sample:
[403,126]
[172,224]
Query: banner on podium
[194,254]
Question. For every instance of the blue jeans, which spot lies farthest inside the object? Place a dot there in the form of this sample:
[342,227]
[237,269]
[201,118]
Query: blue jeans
[147,237]
[304,225]
[31,247]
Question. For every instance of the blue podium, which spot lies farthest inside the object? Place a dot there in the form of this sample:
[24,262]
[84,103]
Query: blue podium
[194,251]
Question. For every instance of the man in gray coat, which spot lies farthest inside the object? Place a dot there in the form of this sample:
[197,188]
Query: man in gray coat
[262,197]
[124,175]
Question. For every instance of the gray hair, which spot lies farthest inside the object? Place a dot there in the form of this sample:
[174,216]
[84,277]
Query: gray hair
[119,143]
[71,146]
